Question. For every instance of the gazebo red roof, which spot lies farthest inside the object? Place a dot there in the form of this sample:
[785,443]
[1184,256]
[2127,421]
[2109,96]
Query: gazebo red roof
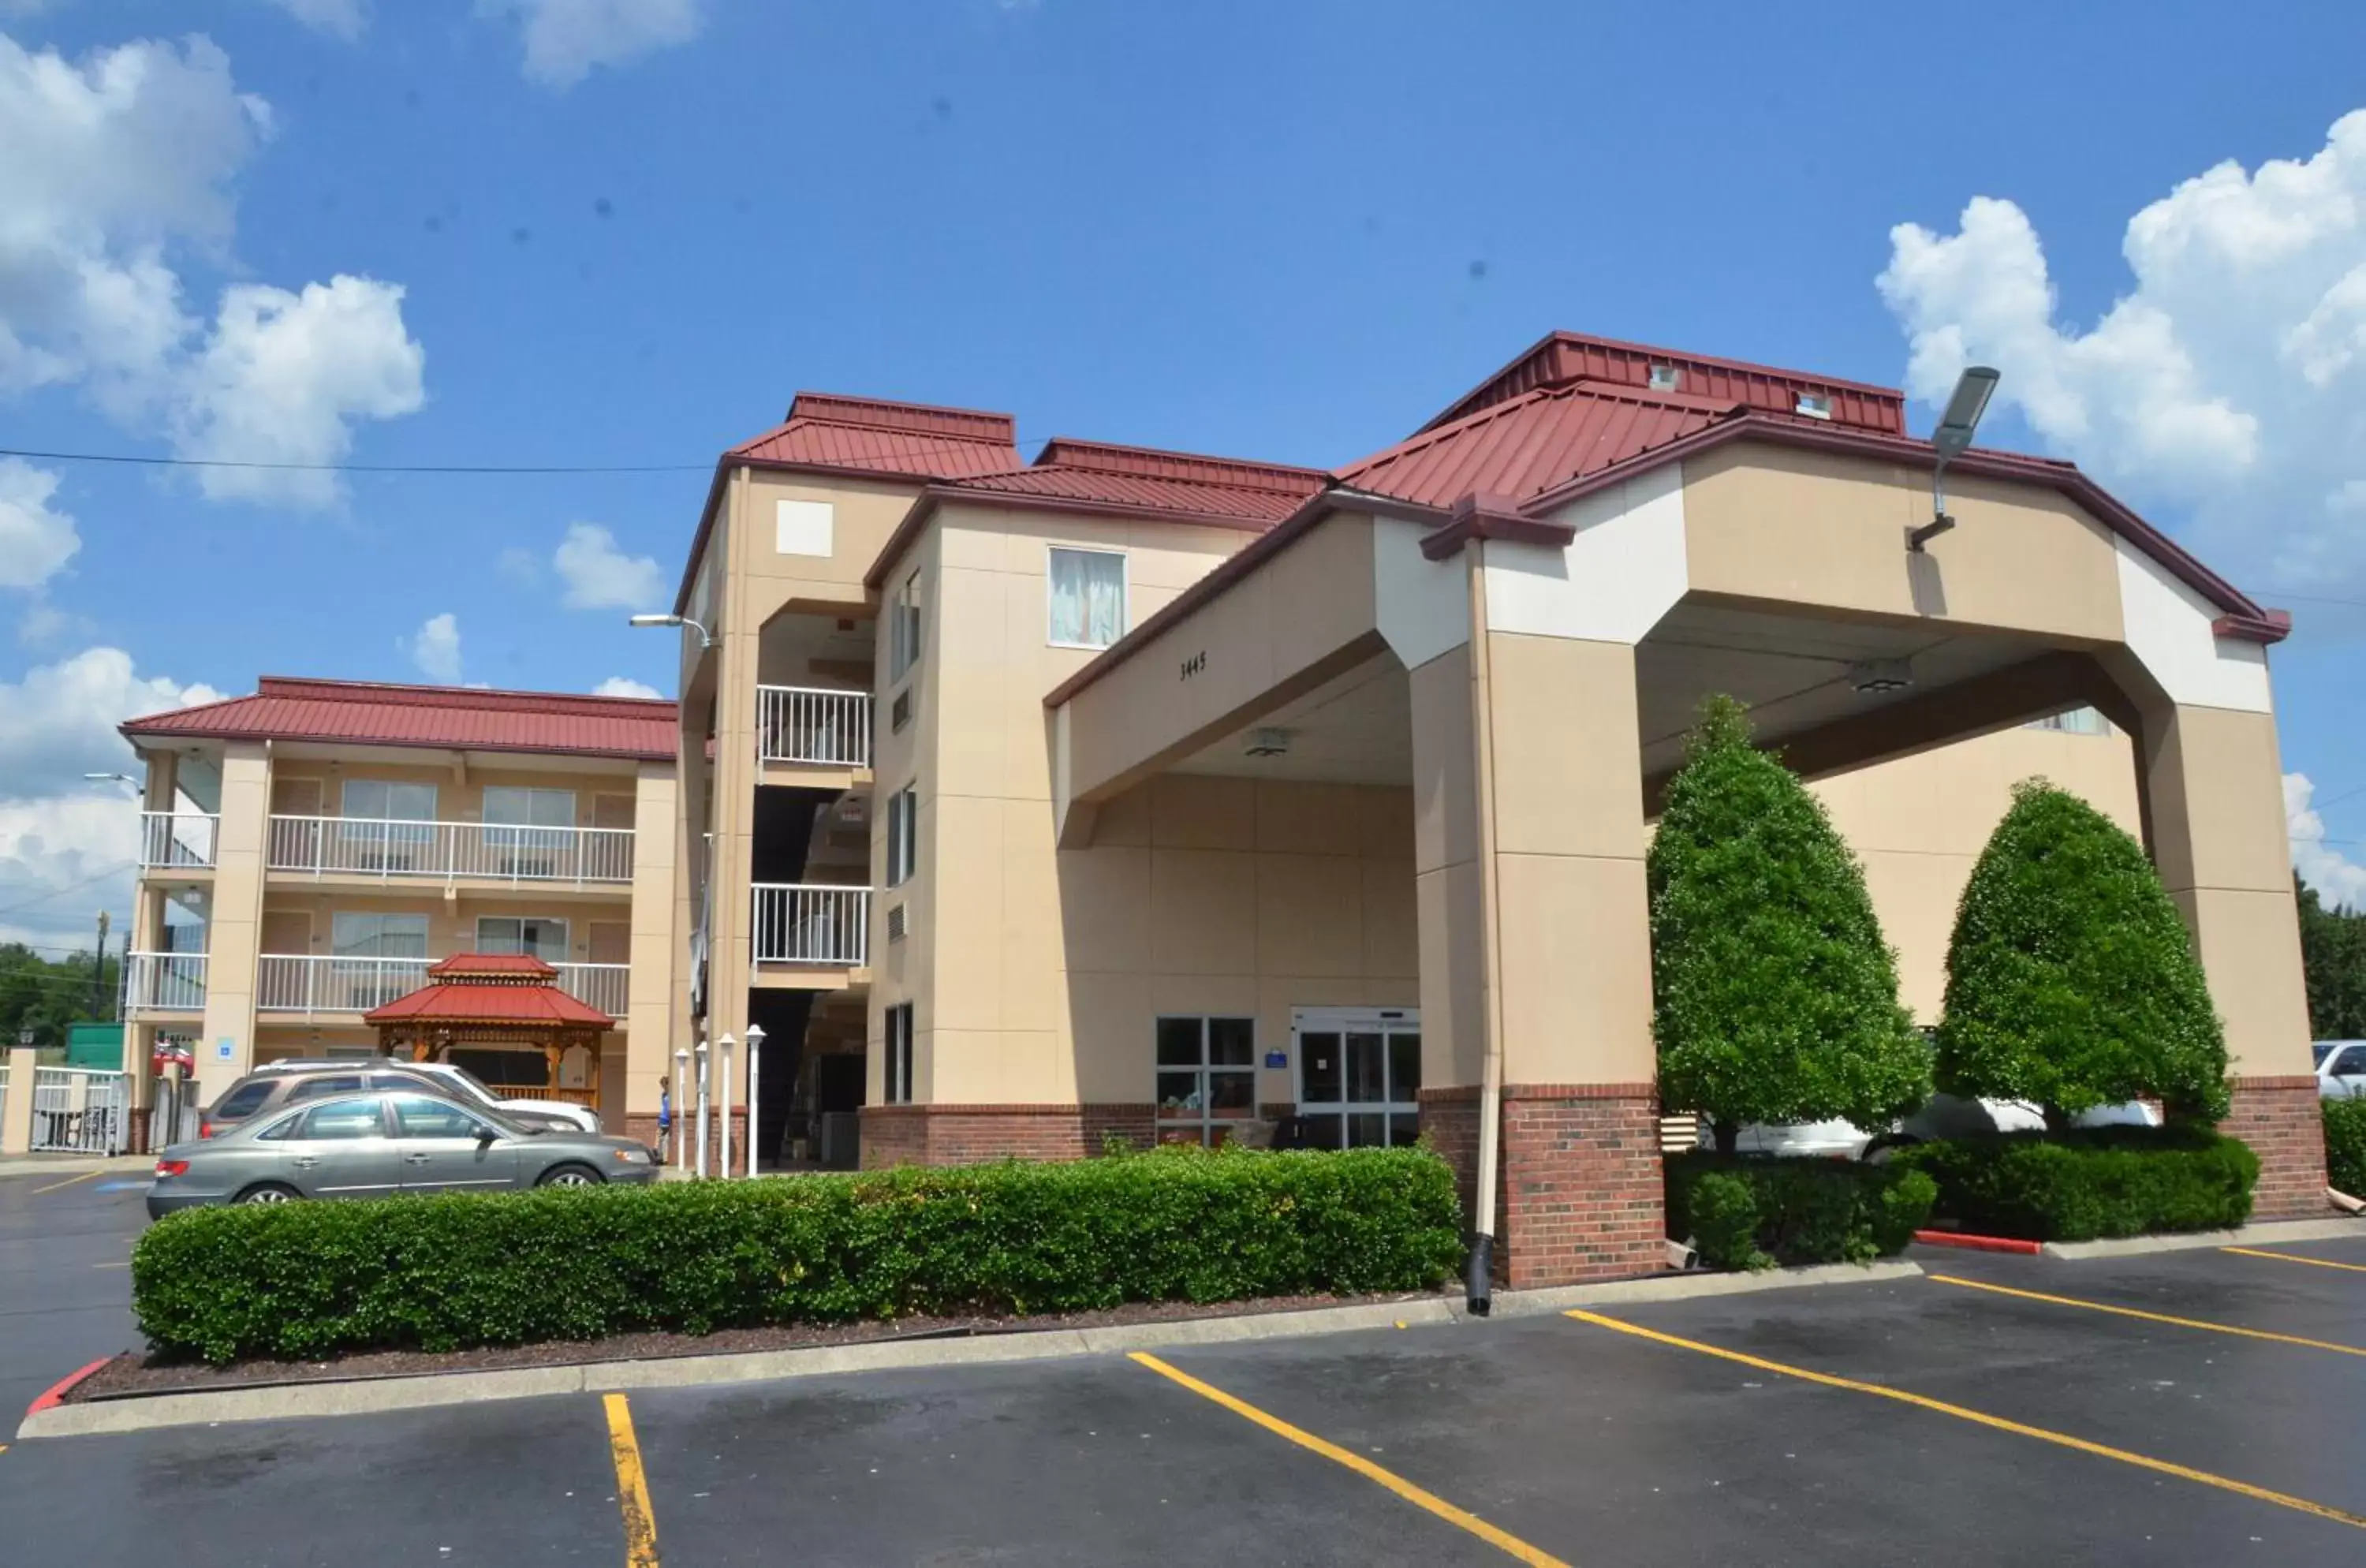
[492,987]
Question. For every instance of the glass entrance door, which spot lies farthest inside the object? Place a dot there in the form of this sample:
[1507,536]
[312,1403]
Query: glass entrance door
[1358,1075]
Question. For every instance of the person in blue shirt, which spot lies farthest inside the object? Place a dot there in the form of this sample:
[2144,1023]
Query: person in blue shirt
[665,1118]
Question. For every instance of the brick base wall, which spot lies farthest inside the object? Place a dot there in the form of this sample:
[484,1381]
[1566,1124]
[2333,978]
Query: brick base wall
[645,1128]
[1578,1191]
[969,1134]
[2283,1123]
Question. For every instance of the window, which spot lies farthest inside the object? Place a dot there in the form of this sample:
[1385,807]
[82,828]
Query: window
[904,627]
[342,1120]
[373,959]
[903,835]
[1088,596]
[1207,1077]
[353,934]
[245,1100]
[2078,721]
[897,1078]
[382,800]
[1359,1076]
[543,937]
[322,1085]
[2352,1062]
[1814,405]
[512,806]
[418,1116]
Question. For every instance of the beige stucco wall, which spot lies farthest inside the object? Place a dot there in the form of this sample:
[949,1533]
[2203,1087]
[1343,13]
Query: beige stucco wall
[451,922]
[1919,823]
[459,792]
[234,916]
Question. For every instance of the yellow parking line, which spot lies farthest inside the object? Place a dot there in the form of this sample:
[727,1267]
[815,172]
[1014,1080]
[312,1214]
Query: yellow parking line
[632,1487]
[1980,1417]
[2296,1257]
[2150,1316]
[69,1181]
[1428,1501]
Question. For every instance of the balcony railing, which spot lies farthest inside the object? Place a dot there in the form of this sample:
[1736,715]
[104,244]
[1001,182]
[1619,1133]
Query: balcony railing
[362,846]
[177,839]
[802,723]
[165,982]
[806,924]
[316,983]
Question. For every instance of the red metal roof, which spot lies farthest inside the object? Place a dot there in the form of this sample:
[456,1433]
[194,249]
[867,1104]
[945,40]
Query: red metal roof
[1532,441]
[1146,479]
[488,987]
[1559,358]
[369,713]
[912,440]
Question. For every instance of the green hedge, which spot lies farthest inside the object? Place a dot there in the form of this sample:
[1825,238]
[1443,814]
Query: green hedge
[2102,1181]
[2345,1145]
[445,1273]
[1745,1213]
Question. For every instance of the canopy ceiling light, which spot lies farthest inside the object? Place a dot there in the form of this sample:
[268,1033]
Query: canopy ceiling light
[1965,406]
[1269,742]
[1878,677]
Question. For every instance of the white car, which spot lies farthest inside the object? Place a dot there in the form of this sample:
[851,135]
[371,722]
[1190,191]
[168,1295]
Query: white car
[2340,1068]
[1945,1116]
[465,1087]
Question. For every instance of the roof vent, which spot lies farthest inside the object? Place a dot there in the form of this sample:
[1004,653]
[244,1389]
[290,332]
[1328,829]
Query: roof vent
[1814,405]
[1667,379]
[1879,677]
[1268,743]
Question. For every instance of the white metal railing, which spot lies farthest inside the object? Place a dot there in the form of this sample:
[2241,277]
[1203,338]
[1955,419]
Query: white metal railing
[165,982]
[177,838]
[803,724]
[328,982]
[80,1110]
[807,924]
[500,851]
[603,985]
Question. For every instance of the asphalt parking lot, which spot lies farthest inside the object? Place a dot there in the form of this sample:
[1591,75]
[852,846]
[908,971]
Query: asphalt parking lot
[1999,1410]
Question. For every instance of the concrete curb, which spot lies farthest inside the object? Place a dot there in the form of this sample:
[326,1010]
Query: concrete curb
[373,1395]
[1692,1286]
[2248,1236]
[73,1165]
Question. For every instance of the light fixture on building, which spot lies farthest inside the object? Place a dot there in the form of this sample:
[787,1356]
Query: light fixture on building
[705,640]
[1879,677]
[1962,417]
[1268,743]
[1667,379]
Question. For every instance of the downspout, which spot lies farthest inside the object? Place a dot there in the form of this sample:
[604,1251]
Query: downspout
[1478,1273]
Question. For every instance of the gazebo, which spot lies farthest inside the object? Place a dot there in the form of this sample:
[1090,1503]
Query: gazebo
[499,1002]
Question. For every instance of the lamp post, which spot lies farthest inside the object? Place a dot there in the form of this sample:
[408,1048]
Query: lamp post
[755,1069]
[681,1120]
[723,1104]
[700,1130]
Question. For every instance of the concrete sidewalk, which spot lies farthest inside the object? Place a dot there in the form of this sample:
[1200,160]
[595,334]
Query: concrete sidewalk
[73,1165]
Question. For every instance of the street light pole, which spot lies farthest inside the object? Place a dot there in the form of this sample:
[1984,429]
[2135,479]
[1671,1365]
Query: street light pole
[699,1131]
[723,1105]
[680,1105]
[755,1071]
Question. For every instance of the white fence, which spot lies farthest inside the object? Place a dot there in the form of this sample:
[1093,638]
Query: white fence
[165,982]
[803,924]
[79,1110]
[802,723]
[366,847]
[177,839]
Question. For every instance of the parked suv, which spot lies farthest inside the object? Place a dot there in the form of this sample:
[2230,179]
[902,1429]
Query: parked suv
[2340,1068]
[276,1085]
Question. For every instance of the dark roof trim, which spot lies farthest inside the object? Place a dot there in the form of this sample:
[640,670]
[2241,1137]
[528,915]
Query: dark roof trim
[2063,477]
[930,498]
[1479,516]
[1270,543]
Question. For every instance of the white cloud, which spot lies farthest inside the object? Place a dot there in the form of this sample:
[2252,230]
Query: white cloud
[2231,380]
[436,648]
[65,844]
[624,686]
[36,538]
[599,576]
[120,169]
[338,18]
[566,39]
[283,377]
[2338,880]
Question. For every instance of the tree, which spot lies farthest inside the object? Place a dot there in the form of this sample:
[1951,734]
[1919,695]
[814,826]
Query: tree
[45,995]
[2333,955]
[2071,980]
[1774,997]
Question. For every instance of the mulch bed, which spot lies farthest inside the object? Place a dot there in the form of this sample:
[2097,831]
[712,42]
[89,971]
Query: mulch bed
[132,1373]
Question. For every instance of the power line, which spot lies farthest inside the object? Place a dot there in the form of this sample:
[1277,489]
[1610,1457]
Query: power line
[154,462]
[69,887]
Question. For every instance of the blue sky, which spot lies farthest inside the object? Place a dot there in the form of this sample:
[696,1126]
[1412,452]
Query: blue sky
[624,231]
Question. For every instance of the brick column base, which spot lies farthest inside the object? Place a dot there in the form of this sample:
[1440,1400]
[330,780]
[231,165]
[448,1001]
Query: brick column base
[2283,1123]
[1578,1192]
[645,1128]
[971,1134]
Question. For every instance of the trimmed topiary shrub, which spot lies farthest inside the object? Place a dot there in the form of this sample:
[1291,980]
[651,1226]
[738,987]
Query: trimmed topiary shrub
[2345,1145]
[452,1272]
[1741,1213]
[2071,981]
[2100,1181]
[1774,997]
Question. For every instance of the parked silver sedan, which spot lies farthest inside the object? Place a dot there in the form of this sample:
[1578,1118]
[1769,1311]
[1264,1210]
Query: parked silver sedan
[381,1144]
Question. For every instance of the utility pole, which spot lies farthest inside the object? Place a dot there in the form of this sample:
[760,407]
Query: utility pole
[98,971]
